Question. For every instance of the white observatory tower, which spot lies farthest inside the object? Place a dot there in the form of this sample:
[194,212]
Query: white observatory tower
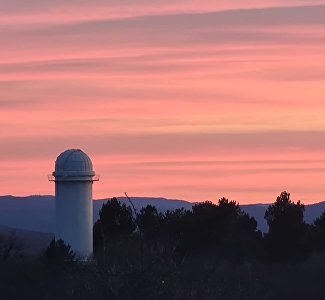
[74,177]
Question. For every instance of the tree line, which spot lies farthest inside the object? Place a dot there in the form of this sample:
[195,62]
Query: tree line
[222,229]
[213,251]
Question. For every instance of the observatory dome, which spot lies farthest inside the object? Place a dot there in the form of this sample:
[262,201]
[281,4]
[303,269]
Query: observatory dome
[73,162]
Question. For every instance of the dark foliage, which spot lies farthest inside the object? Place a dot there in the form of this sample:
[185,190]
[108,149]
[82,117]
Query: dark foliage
[319,232]
[116,223]
[149,222]
[225,228]
[213,251]
[287,237]
[115,219]
[58,255]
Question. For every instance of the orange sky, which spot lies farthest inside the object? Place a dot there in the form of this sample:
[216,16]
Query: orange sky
[182,99]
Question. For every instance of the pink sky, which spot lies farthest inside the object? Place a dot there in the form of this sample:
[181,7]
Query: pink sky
[182,99]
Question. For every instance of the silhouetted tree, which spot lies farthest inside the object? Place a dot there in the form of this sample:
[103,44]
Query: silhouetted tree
[319,232]
[149,221]
[115,219]
[320,221]
[176,223]
[111,230]
[224,229]
[172,232]
[58,255]
[205,230]
[286,237]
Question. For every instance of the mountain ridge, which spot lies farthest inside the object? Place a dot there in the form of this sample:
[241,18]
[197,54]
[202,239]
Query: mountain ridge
[36,212]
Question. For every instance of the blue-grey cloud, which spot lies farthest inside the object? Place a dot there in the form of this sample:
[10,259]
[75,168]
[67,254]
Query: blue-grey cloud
[177,30]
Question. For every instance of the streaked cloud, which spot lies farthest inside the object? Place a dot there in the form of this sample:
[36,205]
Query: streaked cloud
[186,99]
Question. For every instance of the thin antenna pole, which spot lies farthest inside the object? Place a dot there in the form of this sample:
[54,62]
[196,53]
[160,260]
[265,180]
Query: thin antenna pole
[134,210]
[136,222]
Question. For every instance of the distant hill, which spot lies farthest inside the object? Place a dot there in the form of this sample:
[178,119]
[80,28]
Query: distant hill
[30,242]
[36,213]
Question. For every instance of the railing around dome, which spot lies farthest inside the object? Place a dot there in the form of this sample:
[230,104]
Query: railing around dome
[50,177]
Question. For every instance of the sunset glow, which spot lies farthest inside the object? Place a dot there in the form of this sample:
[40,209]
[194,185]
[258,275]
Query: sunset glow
[195,100]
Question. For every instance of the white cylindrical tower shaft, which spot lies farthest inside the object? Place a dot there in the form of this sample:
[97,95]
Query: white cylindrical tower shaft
[74,215]
[74,178]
